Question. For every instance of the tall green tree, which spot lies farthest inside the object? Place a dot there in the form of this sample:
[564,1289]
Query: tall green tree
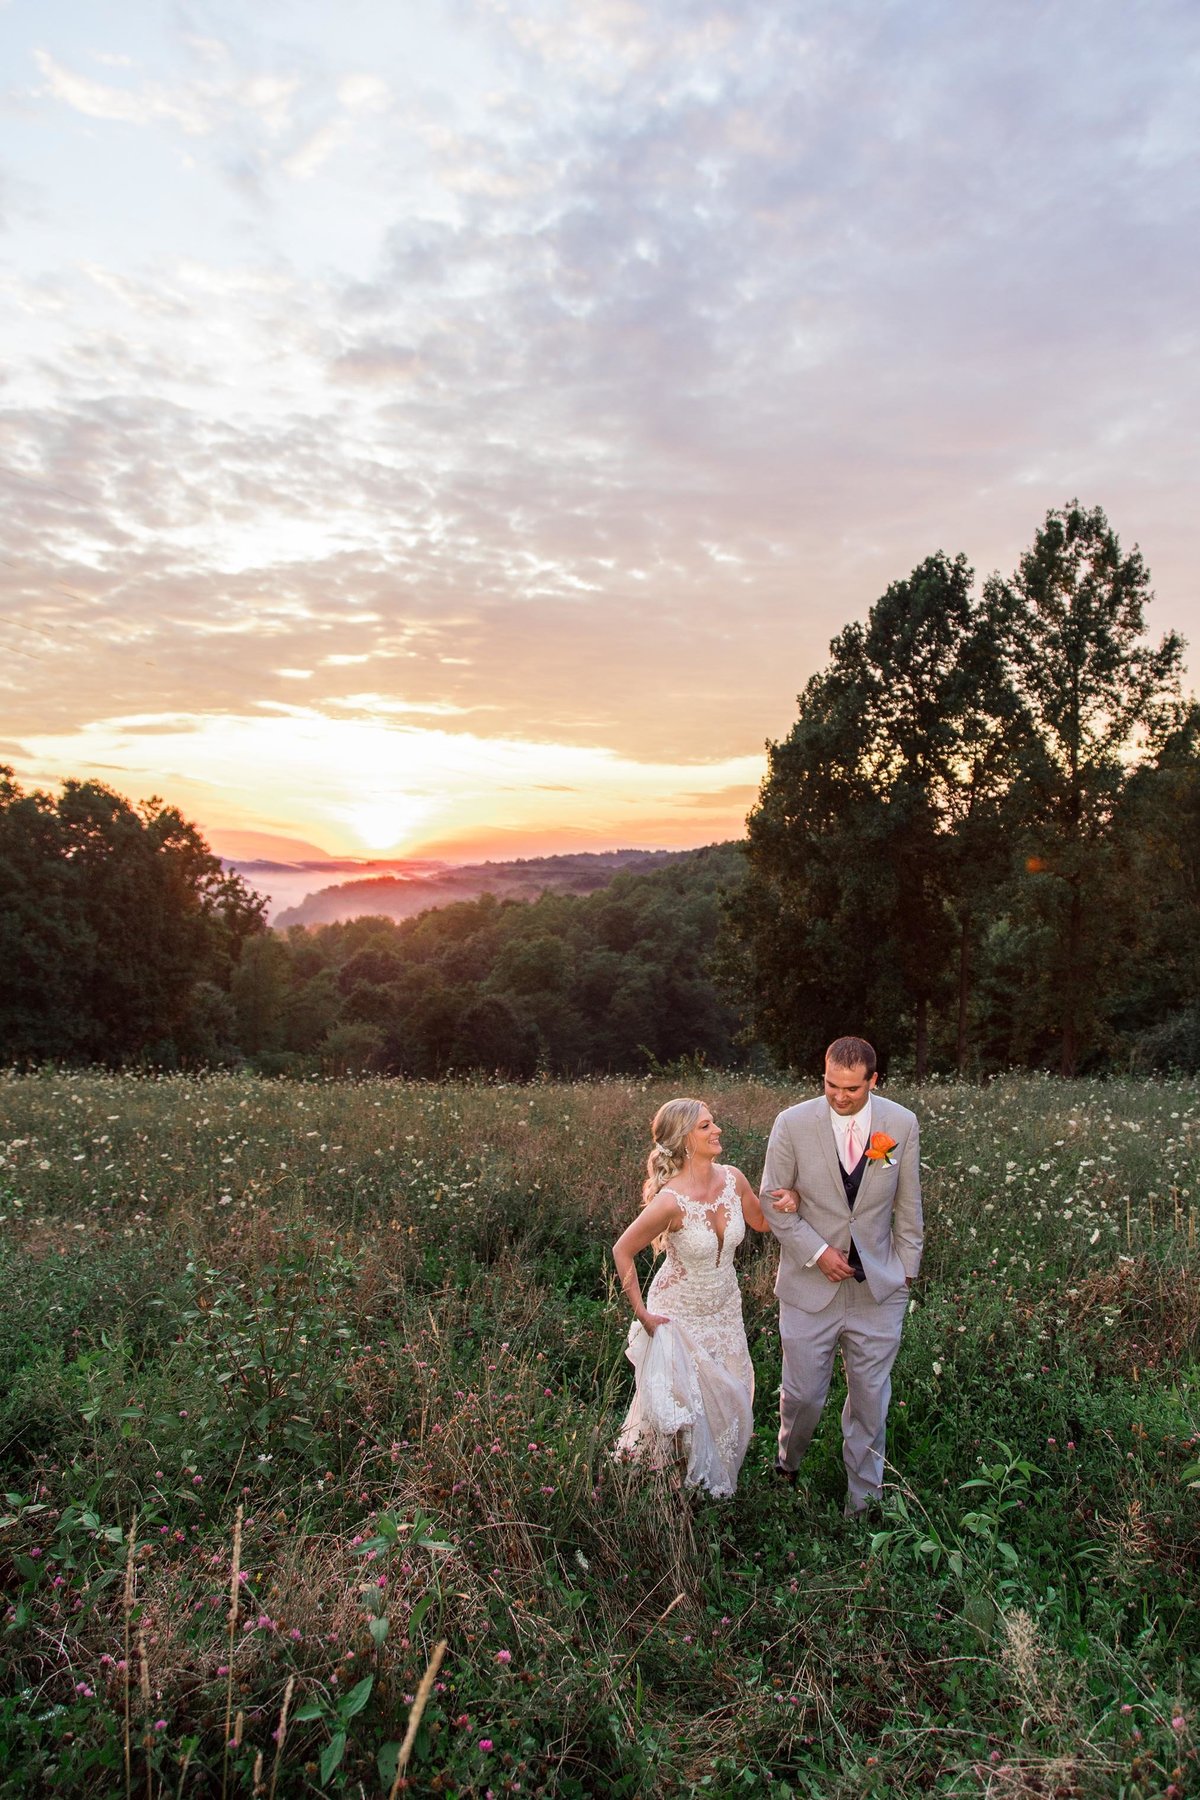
[807,956]
[42,937]
[862,902]
[114,917]
[1101,703]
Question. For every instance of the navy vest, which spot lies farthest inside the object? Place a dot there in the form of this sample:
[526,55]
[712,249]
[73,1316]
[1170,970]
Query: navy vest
[852,1182]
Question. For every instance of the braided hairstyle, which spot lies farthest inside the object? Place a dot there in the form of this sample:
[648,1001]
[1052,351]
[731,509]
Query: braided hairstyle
[673,1124]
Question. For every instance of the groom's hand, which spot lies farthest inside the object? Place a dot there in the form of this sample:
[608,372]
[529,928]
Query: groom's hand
[834,1266]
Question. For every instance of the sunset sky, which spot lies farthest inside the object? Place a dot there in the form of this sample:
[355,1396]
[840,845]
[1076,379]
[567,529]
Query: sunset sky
[460,428]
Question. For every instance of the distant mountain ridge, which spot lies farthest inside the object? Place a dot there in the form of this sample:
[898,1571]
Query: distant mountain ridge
[402,896]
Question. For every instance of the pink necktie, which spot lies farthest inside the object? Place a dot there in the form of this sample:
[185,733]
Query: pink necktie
[852,1150]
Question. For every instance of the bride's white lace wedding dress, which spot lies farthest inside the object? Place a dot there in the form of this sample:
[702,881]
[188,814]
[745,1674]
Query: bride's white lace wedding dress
[695,1383]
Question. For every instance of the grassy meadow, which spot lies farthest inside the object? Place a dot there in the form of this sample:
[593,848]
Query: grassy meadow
[298,1381]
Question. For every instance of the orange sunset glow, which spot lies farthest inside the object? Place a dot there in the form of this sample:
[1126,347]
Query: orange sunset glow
[368,786]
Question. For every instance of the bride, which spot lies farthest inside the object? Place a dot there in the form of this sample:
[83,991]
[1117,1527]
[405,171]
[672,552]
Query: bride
[694,1395]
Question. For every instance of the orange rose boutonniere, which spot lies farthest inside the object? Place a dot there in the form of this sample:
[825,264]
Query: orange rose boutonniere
[880,1148]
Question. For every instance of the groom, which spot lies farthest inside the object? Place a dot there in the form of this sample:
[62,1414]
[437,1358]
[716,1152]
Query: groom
[847,1258]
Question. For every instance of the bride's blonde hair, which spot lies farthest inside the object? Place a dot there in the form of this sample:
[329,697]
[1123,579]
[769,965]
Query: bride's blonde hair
[673,1124]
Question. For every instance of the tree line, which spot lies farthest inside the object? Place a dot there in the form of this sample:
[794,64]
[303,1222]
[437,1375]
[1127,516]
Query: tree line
[979,845]
[981,839]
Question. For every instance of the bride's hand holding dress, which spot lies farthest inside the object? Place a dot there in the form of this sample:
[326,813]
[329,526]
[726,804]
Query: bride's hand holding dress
[652,1222]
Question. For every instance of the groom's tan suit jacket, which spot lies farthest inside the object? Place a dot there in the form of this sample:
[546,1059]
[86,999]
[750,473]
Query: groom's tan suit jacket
[886,1223]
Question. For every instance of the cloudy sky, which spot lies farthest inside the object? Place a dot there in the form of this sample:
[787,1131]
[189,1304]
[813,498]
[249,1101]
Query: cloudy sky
[462,424]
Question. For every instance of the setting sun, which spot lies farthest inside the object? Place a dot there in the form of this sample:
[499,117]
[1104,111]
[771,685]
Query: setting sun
[386,822]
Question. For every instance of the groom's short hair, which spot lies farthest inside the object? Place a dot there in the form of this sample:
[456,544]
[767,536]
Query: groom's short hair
[851,1053]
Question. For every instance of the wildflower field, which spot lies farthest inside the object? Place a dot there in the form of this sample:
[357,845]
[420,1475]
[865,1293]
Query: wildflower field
[301,1381]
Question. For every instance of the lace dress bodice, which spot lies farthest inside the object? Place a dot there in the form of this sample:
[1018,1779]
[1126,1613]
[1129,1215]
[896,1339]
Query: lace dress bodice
[697,1283]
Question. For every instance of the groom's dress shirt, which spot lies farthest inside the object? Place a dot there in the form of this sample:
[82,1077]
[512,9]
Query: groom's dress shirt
[841,1123]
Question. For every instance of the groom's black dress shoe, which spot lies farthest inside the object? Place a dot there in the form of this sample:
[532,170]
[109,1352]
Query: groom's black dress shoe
[788,1475]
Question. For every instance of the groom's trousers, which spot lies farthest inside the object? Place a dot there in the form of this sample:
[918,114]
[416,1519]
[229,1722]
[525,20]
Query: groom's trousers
[869,1333]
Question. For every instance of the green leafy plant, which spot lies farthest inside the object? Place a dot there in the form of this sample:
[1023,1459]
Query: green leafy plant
[336,1711]
[913,1537]
[1002,1490]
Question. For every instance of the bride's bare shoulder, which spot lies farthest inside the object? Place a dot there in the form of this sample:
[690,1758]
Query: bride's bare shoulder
[666,1208]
